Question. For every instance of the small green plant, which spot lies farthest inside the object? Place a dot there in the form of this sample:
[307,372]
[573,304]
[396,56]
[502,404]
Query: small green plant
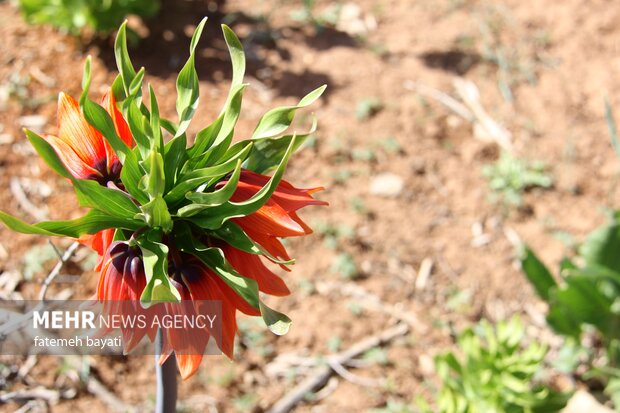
[586,301]
[376,355]
[344,264]
[494,373]
[390,144]
[36,258]
[334,343]
[74,15]
[368,107]
[334,234]
[307,14]
[510,176]
[245,403]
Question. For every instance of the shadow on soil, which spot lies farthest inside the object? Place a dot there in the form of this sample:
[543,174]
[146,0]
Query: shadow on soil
[165,48]
[453,61]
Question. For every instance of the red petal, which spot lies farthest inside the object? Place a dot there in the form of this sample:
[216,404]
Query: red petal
[206,288]
[271,219]
[286,195]
[188,364]
[120,125]
[77,133]
[72,161]
[232,298]
[251,266]
[188,344]
[109,103]
[100,242]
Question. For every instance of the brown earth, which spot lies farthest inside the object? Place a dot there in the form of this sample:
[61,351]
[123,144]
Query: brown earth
[561,62]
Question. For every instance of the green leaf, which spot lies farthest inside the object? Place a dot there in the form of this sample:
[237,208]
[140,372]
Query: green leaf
[111,201]
[93,222]
[237,57]
[86,76]
[48,154]
[187,85]
[277,322]
[233,235]
[580,301]
[138,124]
[169,125]
[268,151]
[123,62]
[613,390]
[158,287]
[602,246]
[156,179]
[205,138]
[231,113]
[135,88]
[204,200]
[216,216]
[218,132]
[118,89]
[279,119]
[246,288]
[214,258]
[131,174]
[157,138]
[18,225]
[218,136]
[156,215]
[537,274]
[194,179]
[599,272]
[99,118]
[566,265]
[175,156]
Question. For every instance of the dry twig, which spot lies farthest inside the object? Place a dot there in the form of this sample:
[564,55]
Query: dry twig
[323,373]
[56,270]
[469,109]
[17,322]
[97,388]
[51,396]
[22,199]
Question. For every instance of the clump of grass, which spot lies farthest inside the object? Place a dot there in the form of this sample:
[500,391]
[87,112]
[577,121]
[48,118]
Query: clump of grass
[344,264]
[368,107]
[510,177]
[308,14]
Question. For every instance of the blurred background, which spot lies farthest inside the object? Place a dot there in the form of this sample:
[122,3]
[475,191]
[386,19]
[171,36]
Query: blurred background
[451,131]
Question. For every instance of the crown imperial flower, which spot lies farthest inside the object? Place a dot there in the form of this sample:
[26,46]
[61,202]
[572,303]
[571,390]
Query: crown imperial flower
[172,222]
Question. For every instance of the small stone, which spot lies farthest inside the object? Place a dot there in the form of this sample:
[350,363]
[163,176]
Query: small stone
[583,401]
[427,366]
[6,139]
[418,166]
[387,185]
[366,267]
[354,22]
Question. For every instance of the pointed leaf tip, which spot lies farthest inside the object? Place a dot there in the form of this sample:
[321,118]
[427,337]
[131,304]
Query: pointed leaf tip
[277,322]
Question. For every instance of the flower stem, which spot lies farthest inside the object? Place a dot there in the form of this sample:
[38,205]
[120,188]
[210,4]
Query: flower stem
[166,379]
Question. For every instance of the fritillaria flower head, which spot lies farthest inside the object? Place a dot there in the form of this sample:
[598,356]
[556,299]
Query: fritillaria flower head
[174,222]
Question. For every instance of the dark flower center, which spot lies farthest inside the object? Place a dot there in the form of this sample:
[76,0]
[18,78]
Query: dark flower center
[113,174]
